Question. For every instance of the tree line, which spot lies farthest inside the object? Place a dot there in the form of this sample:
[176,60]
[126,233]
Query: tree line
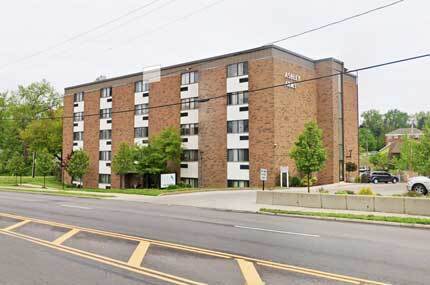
[375,125]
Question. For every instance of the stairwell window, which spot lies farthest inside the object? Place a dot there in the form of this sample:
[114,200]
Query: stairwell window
[104,178]
[237,98]
[106,92]
[78,97]
[105,155]
[190,155]
[141,109]
[141,132]
[237,127]
[77,117]
[106,134]
[189,104]
[78,136]
[189,129]
[236,155]
[106,113]
[141,86]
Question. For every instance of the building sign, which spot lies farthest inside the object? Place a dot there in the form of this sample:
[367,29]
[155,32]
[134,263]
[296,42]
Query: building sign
[167,179]
[290,78]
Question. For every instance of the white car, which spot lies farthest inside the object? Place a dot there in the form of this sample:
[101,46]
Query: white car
[419,184]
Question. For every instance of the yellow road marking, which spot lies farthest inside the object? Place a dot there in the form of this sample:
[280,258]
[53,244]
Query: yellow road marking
[65,237]
[106,260]
[205,251]
[139,253]
[17,225]
[249,272]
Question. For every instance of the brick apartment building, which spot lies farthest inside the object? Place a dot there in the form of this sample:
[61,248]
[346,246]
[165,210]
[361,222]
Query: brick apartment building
[226,140]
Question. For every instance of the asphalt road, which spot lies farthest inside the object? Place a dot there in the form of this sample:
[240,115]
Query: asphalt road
[381,253]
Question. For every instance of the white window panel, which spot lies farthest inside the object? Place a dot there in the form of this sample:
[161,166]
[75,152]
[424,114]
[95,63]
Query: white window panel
[192,143]
[234,142]
[192,171]
[234,113]
[193,117]
[235,173]
[193,91]
[234,85]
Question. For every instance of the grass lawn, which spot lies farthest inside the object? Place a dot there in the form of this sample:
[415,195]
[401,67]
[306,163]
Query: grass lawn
[403,220]
[52,182]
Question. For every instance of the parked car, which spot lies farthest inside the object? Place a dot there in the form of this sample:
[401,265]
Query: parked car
[382,176]
[419,184]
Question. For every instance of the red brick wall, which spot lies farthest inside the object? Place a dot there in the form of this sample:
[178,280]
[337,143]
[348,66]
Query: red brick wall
[213,127]
[67,132]
[91,136]
[293,109]
[122,123]
[350,106]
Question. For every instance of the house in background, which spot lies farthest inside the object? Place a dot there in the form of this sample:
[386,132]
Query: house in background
[393,140]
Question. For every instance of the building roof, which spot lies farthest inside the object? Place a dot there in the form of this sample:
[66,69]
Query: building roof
[405,131]
[265,47]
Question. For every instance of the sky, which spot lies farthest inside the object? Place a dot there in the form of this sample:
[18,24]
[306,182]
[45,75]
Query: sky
[167,32]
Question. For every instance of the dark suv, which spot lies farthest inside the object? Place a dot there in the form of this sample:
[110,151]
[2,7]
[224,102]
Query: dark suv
[382,176]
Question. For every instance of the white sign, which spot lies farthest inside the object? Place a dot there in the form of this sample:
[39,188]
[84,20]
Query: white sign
[263,174]
[290,78]
[167,179]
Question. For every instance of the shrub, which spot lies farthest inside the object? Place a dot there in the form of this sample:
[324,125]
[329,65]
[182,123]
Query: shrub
[323,191]
[312,181]
[366,191]
[357,179]
[295,181]
[350,192]
[341,192]
[412,194]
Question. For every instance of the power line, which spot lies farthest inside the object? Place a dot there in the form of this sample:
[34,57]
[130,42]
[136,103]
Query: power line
[255,90]
[338,22]
[79,35]
[302,33]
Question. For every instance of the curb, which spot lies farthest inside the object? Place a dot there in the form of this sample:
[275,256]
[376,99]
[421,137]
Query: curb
[404,225]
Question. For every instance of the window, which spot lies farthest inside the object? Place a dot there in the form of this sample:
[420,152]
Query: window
[237,183]
[193,182]
[234,155]
[189,129]
[237,98]
[236,127]
[78,136]
[189,104]
[78,97]
[77,117]
[237,69]
[106,113]
[141,109]
[140,86]
[189,78]
[190,155]
[141,132]
[104,178]
[106,134]
[105,155]
[106,92]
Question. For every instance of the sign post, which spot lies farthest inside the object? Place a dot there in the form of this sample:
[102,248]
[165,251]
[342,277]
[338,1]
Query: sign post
[263,175]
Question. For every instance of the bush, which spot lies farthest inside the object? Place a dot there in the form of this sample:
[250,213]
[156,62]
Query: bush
[412,194]
[312,181]
[341,192]
[366,191]
[323,191]
[350,192]
[295,181]
[357,179]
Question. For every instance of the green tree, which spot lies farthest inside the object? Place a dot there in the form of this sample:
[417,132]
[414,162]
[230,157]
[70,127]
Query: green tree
[78,165]
[395,119]
[16,167]
[123,161]
[421,154]
[422,119]
[380,160]
[368,141]
[44,164]
[308,152]
[407,150]
[374,121]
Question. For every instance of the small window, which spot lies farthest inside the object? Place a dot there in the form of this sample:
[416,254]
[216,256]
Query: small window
[237,69]
[105,155]
[78,97]
[185,114]
[184,165]
[106,134]
[104,178]
[77,117]
[189,129]
[106,92]
[244,166]
[141,132]
[189,78]
[141,109]
[78,136]
[190,155]
[237,155]
[106,113]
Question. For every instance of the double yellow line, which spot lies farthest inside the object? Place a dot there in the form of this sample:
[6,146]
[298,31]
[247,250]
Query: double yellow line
[246,264]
